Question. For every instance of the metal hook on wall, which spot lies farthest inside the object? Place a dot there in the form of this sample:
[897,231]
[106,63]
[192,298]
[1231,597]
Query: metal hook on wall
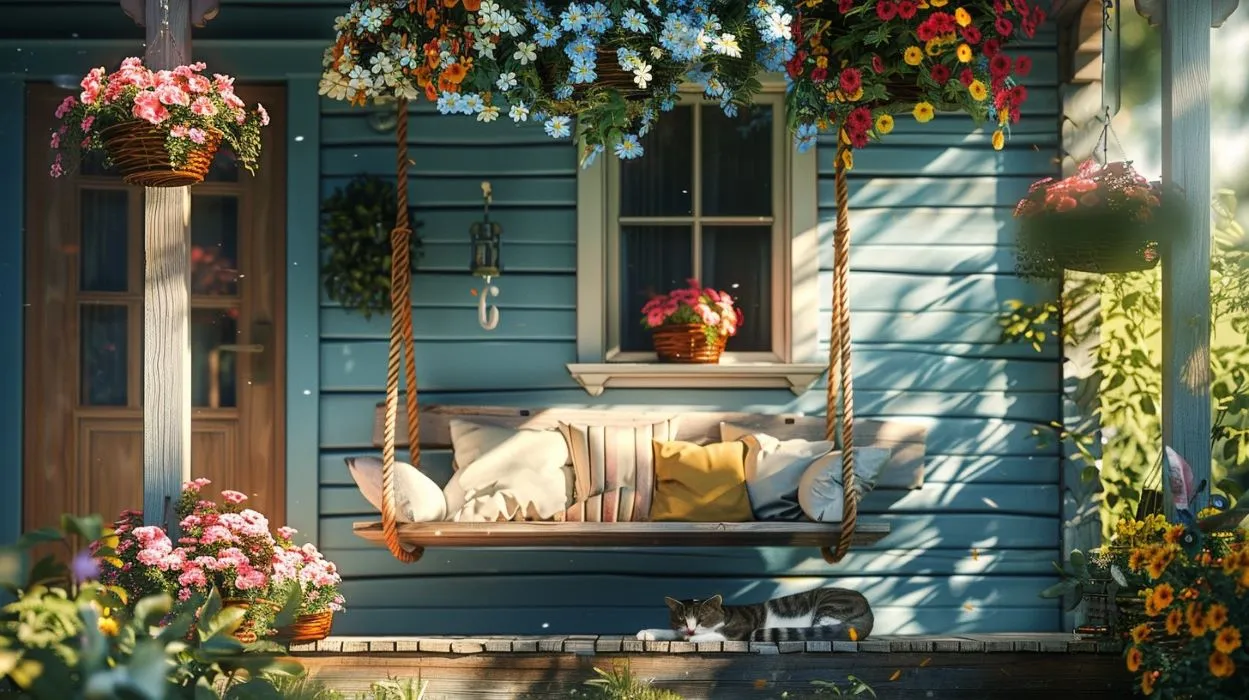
[484,239]
[492,321]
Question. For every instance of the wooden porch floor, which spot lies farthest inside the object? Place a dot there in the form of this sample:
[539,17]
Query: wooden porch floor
[973,666]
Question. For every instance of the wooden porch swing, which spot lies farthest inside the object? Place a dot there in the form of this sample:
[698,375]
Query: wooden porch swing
[407,541]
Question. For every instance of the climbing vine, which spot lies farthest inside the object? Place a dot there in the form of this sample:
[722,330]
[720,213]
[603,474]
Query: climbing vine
[1127,367]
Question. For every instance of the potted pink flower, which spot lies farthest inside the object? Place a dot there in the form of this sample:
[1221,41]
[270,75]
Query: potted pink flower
[159,128]
[691,324]
[317,580]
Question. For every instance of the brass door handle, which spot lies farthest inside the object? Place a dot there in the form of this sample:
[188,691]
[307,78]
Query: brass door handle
[254,347]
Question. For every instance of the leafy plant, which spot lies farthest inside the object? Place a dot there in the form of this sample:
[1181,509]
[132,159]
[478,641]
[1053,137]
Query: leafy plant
[355,237]
[619,683]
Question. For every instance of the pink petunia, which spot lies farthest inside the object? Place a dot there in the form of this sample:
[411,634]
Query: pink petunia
[148,107]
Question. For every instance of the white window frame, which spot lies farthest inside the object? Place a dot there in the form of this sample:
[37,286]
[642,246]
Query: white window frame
[794,361]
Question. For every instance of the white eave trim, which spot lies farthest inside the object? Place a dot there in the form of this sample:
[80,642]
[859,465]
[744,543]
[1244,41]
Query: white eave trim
[597,377]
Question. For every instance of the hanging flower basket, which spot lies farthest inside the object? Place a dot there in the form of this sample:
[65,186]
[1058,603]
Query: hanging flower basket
[159,128]
[1102,220]
[307,628]
[691,325]
[687,343]
[137,149]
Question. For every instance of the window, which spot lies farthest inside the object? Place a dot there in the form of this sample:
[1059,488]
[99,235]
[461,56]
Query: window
[726,200]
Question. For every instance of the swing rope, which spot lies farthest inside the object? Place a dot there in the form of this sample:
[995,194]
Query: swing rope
[839,360]
[402,342]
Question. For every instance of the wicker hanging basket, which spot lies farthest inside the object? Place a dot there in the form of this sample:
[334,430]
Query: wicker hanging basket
[138,151]
[1048,248]
[687,343]
[608,75]
[307,628]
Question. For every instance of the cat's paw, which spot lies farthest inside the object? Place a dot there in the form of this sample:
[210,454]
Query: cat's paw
[655,635]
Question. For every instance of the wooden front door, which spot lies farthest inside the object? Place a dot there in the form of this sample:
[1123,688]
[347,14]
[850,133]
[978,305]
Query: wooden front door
[84,328]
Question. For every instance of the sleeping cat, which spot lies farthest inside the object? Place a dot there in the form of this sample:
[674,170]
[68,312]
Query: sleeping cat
[818,614]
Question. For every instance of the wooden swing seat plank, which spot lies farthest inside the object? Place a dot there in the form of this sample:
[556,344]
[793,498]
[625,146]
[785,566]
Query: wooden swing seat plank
[625,534]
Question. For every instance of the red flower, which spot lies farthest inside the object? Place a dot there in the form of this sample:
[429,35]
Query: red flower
[851,80]
[1014,115]
[1001,99]
[794,65]
[878,64]
[858,139]
[1023,66]
[1028,26]
[859,120]
[940,73]
[907,9]
[886,10]
[1038,16]
[965,76]
[1018,95]
[943,22]
[971,34]
[999,65]
[845,6]
[1003,26]
[926,31]
[819,75]
[991,47]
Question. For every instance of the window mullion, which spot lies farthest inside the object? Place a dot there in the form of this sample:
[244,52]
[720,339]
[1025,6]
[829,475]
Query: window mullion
[696,236]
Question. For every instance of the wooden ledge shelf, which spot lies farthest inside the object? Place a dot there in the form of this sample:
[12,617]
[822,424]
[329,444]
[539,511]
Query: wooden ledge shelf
[628,534]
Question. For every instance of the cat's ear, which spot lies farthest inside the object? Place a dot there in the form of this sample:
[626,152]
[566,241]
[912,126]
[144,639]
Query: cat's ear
[714,602]
[673,604]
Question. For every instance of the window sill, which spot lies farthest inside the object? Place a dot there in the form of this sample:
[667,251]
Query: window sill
[596,378]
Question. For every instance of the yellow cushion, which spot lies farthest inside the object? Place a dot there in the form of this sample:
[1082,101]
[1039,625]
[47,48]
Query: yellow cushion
[700,483]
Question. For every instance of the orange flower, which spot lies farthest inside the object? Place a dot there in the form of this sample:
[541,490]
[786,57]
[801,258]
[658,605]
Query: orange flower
[1196,620]
[1136,560]
[1134,659]
[1163,596]
[1159,562]
[1221,665]
[1173,534]
[1147,682]
[1216,616]
[1140,633]
[1175,619]
[1227,640]
[454,73]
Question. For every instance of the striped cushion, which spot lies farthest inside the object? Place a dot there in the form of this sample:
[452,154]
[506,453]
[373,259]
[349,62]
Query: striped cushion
[615,506]
[607,457]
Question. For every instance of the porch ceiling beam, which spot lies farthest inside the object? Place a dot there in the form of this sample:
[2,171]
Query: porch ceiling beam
[1186,419]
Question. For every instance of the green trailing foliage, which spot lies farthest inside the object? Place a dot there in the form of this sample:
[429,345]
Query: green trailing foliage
[1126,381]
[355,240]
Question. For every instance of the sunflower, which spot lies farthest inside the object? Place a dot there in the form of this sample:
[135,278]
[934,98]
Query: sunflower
[1136,560]
[1227,640]
[1175,620]
[1134,659]
[1196,620]
[1162,596]
[1173,534]
[1216,616]
[1159,560]
[1140,633]
[1221,665]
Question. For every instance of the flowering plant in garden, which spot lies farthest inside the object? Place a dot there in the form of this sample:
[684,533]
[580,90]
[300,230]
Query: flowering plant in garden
[307,569]
[185,106]
[859,63]
[695,304]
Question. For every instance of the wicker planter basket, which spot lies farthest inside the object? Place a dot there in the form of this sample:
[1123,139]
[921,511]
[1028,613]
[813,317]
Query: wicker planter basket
[609,75]
[138,151]
[307,628]
[686,343]
[246,632]
[1089,243]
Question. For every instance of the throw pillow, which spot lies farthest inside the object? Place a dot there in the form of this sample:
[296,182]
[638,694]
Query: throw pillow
[607,457]
[774,469]
[820,491]
[700,483]
[505,473]
[614,506]
[866,472]
[417,498]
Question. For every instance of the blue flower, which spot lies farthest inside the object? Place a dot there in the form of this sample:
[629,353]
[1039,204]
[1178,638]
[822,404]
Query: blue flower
[653,6]
[558,127]
[629,147]
[804,137]
[582,50]
[627,58]
[574,18]
[582,73]
[546,36]
[591,155]
[598,18]
[634,21]
[563,92]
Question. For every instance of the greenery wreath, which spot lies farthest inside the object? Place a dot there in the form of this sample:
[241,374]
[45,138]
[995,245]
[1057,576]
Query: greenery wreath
[355,237]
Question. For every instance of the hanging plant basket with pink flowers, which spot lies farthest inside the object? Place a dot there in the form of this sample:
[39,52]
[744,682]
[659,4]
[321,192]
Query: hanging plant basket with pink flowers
[1102,219]
[158,128]
[691,325]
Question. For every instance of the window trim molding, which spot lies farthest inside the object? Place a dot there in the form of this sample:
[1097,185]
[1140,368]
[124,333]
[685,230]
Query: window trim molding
[797,303]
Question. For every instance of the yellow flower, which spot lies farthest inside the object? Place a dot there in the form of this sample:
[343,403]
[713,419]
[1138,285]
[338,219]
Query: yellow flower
[1141,632]
[821,124]
[1207,512]
[858,95]
[1136,560]
[1160,598]
[964,53]
[938,3]
[1227,640]
[1134,659]
[913,56]
[1216,616]
[923,112]
[978,90]
[845,138]
[1175,619]
[1159,562]
[1147,682]
[847,159]
[1196,620]
[108,626]
[821,62]
[884,124]
[963,17]
[999,140]
[933,47]
[1221,665]
[1173,534]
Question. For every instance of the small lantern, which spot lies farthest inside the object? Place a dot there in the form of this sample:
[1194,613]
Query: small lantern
[485,238]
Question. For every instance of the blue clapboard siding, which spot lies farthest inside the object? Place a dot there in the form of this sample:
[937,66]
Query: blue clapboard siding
[932,263]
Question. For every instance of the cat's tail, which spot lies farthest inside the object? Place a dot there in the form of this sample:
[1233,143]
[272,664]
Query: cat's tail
[822,633]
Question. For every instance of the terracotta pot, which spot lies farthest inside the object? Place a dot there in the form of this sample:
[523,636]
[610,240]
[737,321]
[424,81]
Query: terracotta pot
[138,151]
[686,343]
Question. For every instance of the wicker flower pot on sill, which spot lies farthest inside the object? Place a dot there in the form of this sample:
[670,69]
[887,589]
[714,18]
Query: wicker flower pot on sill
[138,151]
[687,343]
[307,628]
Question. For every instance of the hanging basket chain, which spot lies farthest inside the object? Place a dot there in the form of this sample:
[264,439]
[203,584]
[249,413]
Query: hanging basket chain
[839,375]
[401,342]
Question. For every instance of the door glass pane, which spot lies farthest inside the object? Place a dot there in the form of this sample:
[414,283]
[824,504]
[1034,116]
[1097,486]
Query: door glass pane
[214,245]
[214,372]
[103,250]
[661,183]
[654,260]
[738,260]
[737,162]
[224,167]
[102,354]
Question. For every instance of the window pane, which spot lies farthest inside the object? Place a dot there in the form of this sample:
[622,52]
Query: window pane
[653,260]
[224,168]
[102,351]
[104,248]
[93,163]
[738,260]
[737,162]
[214,372]
[214,245]
[661,182]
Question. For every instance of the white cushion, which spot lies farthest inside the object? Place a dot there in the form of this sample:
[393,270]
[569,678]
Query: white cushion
[505,473]
[774,469]
[820,492]
[417,498]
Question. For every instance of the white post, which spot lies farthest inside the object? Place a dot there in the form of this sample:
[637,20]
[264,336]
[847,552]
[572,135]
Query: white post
[1186,262]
